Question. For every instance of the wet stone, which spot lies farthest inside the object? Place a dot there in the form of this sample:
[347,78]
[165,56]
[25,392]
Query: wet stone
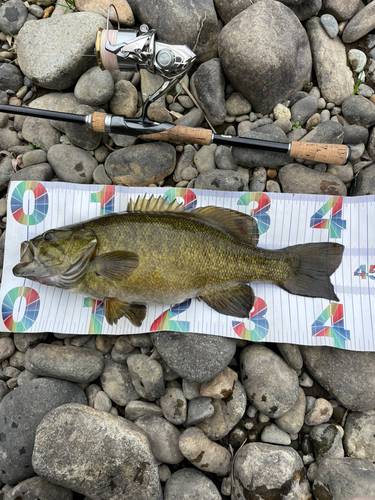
[327,442]
[20,414]
[68,363]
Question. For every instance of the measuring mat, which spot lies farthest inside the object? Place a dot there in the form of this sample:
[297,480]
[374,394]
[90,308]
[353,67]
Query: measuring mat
[277,316]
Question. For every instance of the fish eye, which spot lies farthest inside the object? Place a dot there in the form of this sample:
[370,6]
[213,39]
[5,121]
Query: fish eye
[48,237]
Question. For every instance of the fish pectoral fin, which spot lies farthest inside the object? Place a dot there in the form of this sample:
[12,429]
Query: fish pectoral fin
[116,265]
[240,226]
[237,301]
[114,309]
[136,314]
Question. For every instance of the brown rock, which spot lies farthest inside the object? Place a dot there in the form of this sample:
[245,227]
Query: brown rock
[221,386]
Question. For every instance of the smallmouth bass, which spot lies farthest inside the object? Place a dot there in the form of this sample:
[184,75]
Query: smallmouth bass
[158,252]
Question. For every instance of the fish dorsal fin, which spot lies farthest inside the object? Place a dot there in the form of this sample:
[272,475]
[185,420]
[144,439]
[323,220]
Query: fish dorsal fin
[152,204]
[238,225]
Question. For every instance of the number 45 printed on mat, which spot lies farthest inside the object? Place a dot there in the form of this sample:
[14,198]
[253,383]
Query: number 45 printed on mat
[334,223]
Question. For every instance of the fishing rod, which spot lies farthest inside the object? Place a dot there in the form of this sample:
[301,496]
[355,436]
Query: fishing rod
[135,49]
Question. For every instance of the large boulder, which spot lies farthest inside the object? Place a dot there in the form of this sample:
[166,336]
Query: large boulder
[264,63]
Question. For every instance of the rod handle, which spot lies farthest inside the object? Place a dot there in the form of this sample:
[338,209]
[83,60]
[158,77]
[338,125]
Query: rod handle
[97,121]
[333,154]
[179,133]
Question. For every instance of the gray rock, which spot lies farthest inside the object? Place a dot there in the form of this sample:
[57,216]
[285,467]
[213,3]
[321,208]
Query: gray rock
[137,409]
[116,382]
[7,348]
[320,412]
[64,362]
[193,118]
[195,27]
[72,37]
[335,79]
[80,135]
[291,354]
[13,14]
[353,388]
[100,177]
[10,76]
[203,453]
[295,178]
[20,413]
[228,11]
[224,158]
[303,109]
[186,160]
[359,435]
[122,349]
[34,157]
[261,468]
[258,181]
[355,134]
[257,54]
[141,165]
[274,435]
[270,384]
[163,437]
[147,376]
[40,172]
[364,182]
[191,390]
[361,24]
[8,138]
[40,131]
[72,164]
[204,158]
[328,132]
[237,105]
[6,172]
[306,9]
[207,85]
[173,405]
[95,87]
[24,341]
[343,172]
[119,446]
[228,412]
[194,357]
[262,158]
[330,25]
[190,484]
[344,479]
[359,111]
[124,99]
[221,180]
[343,11]
[38,488]
[56,101]
[198,409]
[292,421]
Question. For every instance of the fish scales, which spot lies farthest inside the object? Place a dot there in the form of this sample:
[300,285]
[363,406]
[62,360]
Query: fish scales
[179,257]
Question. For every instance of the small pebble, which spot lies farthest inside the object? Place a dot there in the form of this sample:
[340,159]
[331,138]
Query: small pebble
[320,413]
[330,25]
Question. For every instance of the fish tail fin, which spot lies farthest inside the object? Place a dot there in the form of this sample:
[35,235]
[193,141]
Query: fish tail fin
[312,265]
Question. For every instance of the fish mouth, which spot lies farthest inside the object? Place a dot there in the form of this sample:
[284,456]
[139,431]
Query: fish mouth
[27,252]
[28,267]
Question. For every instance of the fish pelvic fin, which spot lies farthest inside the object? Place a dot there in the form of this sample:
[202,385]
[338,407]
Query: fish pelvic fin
[136,314]
[114,309]
[239,225]
[312,264]
[237,301]
[152,204]
[115,265]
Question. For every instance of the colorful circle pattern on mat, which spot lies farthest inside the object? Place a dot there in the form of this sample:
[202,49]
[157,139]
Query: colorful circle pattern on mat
[31,310]
[261,325]
[189,197]
[40,206]
[261,211]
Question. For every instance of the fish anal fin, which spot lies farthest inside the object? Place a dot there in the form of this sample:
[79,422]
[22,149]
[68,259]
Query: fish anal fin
[239,225]
[136,314]
[237,301]
[115,265]
[152,204]
[114,309]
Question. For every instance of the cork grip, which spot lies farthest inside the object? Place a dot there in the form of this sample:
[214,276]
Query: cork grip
[97,122]
[181,134]
[334,154]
